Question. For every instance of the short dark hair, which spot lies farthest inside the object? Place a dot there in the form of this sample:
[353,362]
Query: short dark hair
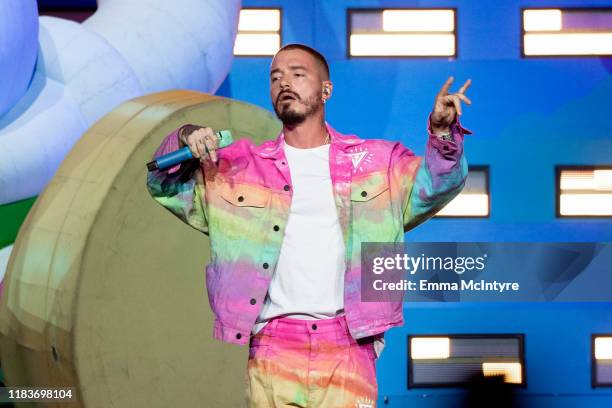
[319,58]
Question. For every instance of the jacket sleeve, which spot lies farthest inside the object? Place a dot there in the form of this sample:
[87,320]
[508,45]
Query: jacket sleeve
[180,188]
[424,185]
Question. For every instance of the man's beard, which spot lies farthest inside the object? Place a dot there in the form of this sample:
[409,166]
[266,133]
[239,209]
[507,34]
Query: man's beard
[290,117]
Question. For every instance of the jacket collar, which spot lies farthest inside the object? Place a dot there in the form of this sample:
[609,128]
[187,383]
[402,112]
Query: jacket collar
[273,149]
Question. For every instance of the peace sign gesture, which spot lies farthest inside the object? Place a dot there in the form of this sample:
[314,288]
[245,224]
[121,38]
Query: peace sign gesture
[448,106]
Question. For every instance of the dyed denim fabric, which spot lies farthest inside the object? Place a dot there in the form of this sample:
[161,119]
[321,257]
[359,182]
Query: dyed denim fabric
[381,189]
[306,363]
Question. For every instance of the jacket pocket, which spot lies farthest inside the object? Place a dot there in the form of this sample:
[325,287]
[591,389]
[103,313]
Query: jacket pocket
[369,187]
[241,212]
[242,195]
[371,209]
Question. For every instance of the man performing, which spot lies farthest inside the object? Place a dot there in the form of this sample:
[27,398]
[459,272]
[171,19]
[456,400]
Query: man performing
[286,220]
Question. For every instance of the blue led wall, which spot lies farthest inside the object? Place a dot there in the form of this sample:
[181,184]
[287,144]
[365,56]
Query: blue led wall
[528,115]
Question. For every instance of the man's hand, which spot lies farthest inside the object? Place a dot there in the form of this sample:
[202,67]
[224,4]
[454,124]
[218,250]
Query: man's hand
[202,142]
[448,106]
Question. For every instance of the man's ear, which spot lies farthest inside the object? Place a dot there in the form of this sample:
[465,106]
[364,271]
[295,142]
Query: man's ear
[327,90]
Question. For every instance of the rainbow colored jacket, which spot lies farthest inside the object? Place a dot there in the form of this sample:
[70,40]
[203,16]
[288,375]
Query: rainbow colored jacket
[380,188]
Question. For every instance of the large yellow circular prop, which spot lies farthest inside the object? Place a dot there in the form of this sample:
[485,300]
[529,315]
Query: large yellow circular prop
[105,289]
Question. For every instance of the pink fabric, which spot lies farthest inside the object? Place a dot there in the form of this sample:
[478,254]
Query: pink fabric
[310,363]
[381,189]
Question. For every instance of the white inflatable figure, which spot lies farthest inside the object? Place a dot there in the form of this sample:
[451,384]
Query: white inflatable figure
[58,77]
[18,48]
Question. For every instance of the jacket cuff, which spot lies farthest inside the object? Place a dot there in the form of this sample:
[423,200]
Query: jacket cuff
[171,144]
[448,147]
[229,334]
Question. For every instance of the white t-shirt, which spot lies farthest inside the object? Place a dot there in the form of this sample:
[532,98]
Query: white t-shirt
[308,282]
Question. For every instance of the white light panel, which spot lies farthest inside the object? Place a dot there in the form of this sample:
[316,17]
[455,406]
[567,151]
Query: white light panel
[402,45]
[542,20]
[473,201]
[512,372]
[258,32]
[418,20]
[259,20]
[454,360]
[429,348]
[467,205]
[568,44]
[402,33]
[585,192]
[567,32]
[586,204]
[603,348]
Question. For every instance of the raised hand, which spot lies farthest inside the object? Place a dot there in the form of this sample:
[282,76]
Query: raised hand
[448,106]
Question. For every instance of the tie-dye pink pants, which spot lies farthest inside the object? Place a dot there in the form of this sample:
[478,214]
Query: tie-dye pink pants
[310,363]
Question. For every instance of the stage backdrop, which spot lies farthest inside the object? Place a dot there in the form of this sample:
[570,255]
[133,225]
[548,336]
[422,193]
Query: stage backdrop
[105,289]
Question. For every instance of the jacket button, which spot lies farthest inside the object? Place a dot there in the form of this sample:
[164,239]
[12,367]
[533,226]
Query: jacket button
[253,301]
[314,327]
[286,187]
[241,198]
[276,228]
[238,336]
[265,265]
[364,193]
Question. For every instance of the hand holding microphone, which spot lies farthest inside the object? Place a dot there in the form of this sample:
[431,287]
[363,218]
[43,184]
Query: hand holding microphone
[202,143]
[197,142]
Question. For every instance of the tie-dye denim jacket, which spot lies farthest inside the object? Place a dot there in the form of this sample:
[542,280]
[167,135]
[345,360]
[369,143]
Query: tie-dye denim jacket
[381,189]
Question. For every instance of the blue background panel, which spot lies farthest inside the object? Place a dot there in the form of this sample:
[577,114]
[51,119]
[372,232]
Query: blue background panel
[528,116]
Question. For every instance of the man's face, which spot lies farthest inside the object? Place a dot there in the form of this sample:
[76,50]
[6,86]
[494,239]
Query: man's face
[295,86]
